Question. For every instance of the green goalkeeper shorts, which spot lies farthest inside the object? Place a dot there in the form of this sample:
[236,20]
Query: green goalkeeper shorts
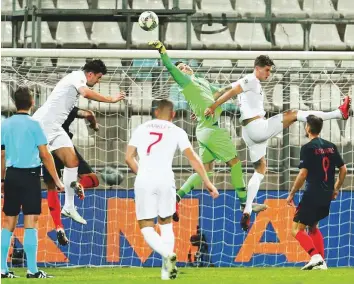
[215,144]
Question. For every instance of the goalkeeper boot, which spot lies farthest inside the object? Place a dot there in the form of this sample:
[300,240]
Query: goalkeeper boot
[256,208]
[61,237]
[316,260]
[79,189]
[245,221]
[39,274]
[73,214]
[9,274]
[345,107]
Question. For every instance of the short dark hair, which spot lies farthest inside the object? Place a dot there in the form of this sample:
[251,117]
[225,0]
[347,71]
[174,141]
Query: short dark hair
[165,104]
[315,123]
[178,62]
[95,66]
[263,60]
[23,98]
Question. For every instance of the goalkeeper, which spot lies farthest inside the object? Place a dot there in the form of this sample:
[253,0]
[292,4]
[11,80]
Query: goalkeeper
[214,142]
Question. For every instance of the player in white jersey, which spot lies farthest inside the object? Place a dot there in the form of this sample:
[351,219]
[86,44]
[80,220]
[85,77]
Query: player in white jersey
[155,143]
[53,114]
[256,130]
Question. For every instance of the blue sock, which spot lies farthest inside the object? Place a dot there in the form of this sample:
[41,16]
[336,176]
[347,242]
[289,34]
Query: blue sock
[5,245]
[30,245]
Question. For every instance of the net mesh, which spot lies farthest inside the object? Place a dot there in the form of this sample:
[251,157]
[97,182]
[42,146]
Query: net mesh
[112,237]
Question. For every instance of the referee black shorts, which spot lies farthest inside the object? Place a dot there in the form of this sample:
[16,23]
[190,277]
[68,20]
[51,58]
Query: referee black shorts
[309,214]
[84,167]
[22,189]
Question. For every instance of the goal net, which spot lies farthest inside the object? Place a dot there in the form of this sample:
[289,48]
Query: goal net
[208,233]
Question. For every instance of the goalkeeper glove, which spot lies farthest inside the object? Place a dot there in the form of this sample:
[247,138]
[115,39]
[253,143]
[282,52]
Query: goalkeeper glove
[158,45]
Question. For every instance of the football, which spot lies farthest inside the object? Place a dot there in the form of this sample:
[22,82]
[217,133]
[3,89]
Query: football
[148,20]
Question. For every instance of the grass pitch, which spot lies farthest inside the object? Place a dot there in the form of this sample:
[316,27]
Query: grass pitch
[192,275]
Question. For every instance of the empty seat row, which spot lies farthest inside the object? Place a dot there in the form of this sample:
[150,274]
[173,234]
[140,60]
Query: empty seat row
[280,8]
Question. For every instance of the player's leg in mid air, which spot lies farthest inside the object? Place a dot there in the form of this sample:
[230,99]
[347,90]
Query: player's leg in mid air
[342,112]
[70,174]
[87,177]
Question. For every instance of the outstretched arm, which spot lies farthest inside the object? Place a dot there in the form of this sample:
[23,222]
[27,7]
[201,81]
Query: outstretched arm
[228,94]
[89,116]
[222,91]
[181,79]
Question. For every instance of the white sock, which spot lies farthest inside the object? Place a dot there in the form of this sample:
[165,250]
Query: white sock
[167,236]
[69,175]
[336,114]
[252,190]
[154,240]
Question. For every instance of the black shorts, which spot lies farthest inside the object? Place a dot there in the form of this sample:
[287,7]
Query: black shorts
[84,167]
[310,213]
[22,188]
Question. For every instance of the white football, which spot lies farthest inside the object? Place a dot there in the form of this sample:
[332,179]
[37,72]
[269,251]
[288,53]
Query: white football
[148,20]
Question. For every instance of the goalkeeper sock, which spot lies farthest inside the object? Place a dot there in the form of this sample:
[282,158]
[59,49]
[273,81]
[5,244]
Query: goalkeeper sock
[89,180]
[30,245]
[317,238]
[302,115]
[253,187]
[191,183]
[54,207]
[238,182]
[154,240]
[5,245]
[69,175]
[306,242]
[168,236]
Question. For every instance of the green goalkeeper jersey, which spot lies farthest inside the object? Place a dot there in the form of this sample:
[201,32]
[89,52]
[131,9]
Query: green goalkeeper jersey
[197,91]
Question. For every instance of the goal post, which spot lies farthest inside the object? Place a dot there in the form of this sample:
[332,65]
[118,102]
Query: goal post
[300,80]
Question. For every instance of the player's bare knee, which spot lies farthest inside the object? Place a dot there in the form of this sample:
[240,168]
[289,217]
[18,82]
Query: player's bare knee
[260,166]
[10,223]
[233,162]
[166,220]
[72,162]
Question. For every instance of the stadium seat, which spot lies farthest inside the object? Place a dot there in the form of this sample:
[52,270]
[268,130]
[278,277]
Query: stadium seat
[6,34]
[289,36]
[176,37]
[229,123]
[346,8]
[287,9]
[72,35]
[297,134]
[140,96]
[109,4]
[148,65]
[251,36]
[331,132]
[81,134]
[244,9]
[69,4]
[179,102]
[47,4]
[320,9]
[112,62]
[287,63]
[221,40]
[349,36]
[7,103]
[140,38]
[136,120]
[347,64]
[217,8]
[73,63]
[296,100]
[349,130]
[148,4]
[6,5]
[245,63]
[325,37]
[216,63]
[183,4]
[47,40]
[326,97]
[107,35]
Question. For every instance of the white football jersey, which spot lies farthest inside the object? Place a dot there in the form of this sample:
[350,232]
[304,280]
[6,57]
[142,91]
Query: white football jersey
[251,100]
[156,142]
[61,101]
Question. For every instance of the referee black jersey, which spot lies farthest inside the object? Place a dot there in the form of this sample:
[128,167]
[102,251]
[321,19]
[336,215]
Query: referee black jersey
[320,158]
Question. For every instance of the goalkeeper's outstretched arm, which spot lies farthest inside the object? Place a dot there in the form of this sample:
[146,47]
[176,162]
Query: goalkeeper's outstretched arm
[181,79]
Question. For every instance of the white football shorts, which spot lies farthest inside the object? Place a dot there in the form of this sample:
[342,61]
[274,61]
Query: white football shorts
[57,139]
[257,132]
[154,197]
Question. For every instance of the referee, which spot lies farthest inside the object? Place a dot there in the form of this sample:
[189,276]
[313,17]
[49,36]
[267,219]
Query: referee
[318,160]
[23,146]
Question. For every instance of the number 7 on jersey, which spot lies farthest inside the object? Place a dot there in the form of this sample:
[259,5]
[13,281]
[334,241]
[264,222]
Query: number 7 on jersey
[159,137]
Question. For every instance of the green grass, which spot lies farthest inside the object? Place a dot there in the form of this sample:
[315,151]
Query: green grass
[193,276]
